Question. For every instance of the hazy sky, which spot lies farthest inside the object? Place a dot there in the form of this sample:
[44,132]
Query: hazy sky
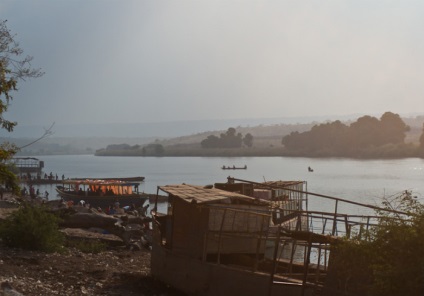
[148,61]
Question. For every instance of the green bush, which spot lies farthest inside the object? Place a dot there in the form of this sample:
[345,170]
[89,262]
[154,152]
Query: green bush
[32,228]
[391,261]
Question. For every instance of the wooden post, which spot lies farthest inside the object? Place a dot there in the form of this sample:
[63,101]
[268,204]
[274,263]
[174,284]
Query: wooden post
[347,227]
[156,199]
[220,236]
[274,266]
[325,258]
[368,225]
[306,267]
[255,266]
[335,219]
[318,264]
[294,245]
[323,227]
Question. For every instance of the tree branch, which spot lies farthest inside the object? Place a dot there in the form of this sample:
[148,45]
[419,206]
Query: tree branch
[47,132]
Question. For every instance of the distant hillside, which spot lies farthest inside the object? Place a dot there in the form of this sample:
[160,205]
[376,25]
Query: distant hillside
[71,145]
[267,141]
[265,135]
[271,135]
[157,129]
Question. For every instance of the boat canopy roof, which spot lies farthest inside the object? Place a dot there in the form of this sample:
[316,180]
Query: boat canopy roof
[26,158]
[100,182]
[204,195]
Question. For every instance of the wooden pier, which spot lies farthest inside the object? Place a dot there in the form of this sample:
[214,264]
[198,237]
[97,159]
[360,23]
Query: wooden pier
[26,165]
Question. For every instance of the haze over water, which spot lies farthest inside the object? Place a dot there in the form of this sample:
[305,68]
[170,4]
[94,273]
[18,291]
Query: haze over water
[364,181]
[154,61]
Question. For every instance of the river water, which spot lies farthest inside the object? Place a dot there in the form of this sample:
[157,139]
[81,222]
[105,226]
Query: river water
[364,181]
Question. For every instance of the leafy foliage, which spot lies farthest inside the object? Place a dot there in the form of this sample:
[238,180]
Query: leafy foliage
[391,261]
[367,137]
[248,140]
[421,149]
[230,139]
[13,67]
[7,177]
[33,228]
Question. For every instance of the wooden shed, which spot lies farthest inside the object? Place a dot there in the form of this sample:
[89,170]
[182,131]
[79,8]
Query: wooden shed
[216,242]
[199,220]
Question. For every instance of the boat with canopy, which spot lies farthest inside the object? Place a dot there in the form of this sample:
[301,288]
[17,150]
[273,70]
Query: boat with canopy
[101,193]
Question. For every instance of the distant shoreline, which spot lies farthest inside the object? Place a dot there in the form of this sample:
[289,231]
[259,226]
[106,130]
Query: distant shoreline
[245,152]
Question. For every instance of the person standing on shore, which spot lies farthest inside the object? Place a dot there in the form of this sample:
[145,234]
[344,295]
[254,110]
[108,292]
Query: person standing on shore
[31,192]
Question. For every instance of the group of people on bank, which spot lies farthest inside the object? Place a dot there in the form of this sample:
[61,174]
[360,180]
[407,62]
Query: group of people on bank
[33,193]
[29,177]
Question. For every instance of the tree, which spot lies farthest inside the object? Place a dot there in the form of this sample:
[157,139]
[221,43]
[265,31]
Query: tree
[210,142]
[421,147]
[13,68]
[365,132]
[159,150]
[323,138]
[248,140]
[229,139]
[393,128]
[231,132]
[360,138]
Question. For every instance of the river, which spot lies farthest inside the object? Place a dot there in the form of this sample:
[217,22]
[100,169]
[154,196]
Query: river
[365,181]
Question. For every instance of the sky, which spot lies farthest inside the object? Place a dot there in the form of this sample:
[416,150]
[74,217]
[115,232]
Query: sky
[131,61]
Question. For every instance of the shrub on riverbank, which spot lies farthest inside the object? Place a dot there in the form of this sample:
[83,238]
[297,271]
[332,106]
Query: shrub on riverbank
[32,228]
[391,260]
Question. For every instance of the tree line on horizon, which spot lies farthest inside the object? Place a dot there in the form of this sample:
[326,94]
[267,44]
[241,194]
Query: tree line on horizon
[366,137]
[229,139]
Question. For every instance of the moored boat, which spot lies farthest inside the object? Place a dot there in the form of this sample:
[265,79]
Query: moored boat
[127,179]
[102,193]
[51,180]
[233,167]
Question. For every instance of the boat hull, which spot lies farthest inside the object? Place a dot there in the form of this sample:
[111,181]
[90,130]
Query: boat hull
[104,201]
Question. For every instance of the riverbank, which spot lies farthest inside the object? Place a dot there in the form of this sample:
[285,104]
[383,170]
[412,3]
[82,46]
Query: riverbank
[375,153]
[115,271]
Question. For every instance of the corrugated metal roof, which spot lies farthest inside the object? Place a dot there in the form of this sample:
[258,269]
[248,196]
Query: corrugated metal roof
[200,194]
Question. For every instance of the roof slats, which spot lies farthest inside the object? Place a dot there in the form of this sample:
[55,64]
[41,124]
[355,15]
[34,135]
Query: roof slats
[200,194]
